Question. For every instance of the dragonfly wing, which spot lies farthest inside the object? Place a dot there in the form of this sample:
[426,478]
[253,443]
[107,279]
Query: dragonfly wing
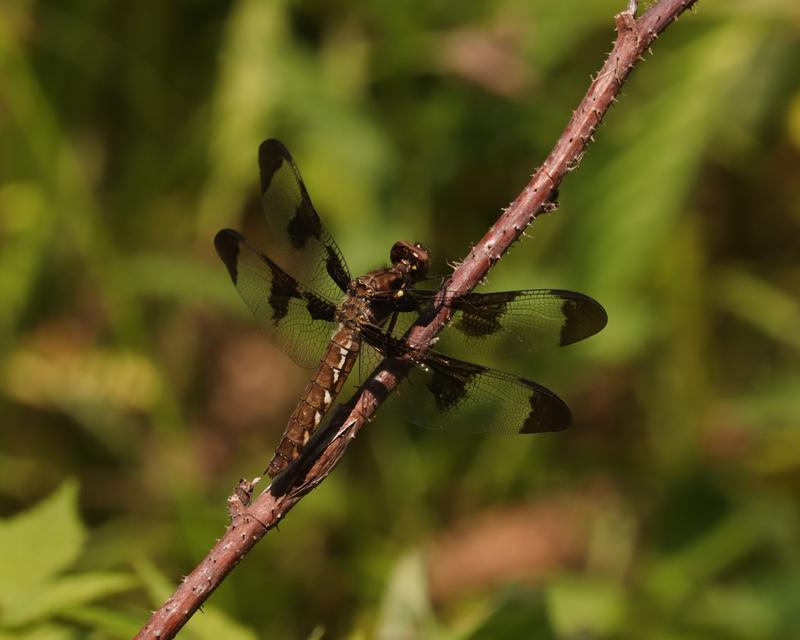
[300,321]
[302,242]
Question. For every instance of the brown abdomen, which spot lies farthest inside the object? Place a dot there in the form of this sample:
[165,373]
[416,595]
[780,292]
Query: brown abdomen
[317,398]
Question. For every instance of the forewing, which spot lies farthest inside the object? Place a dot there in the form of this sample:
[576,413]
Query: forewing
[304,244]
[529,320]
[456,396]
[299,321]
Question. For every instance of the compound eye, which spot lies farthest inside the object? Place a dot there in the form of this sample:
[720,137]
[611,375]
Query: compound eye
[398,253]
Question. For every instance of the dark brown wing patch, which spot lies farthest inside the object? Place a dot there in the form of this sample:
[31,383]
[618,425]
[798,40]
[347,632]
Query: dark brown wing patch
[469,398]
[300,321]
[481,317]
[300,237]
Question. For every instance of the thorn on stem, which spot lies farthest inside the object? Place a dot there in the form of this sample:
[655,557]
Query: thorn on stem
[549,207]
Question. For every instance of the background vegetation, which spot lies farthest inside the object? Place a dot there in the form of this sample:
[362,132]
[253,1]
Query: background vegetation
[136,389]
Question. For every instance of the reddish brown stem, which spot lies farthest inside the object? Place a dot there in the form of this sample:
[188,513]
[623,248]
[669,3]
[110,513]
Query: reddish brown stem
[251,523]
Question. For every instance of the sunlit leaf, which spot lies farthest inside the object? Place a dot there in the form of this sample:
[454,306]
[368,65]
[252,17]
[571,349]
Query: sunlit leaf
[40,632]
[513,614]
[406,609]
[113,622]
[38,544]
[60,594]
[585,607]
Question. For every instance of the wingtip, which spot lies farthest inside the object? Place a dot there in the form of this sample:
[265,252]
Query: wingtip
[585,316]
[603,315]
[566,417]
[227,232]
[548,412]
[271,155]
[561,416]
[272,146]
[226,242]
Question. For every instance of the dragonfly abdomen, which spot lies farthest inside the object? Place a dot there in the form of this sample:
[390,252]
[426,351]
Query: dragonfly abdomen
[318,397]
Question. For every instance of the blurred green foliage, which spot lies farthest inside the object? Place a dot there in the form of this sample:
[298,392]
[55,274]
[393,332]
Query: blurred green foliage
[128,136]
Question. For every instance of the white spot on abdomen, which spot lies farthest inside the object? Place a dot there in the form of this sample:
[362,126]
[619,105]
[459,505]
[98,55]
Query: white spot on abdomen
[343,351]
[342,359]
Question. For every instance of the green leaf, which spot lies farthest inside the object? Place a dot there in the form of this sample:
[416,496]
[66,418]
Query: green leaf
[586,608]
[64,593]
[741,611]
[115,623]
[406,610]
[154,582]
[317,633]
[38,544]
[674,577]
[252,48]
[212,624]
[765,307]
[520,613]
[41,632]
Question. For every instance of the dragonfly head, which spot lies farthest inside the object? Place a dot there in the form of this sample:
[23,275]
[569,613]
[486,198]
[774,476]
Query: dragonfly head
[412,256]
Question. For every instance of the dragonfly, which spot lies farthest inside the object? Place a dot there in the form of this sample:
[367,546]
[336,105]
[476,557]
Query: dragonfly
[324,319]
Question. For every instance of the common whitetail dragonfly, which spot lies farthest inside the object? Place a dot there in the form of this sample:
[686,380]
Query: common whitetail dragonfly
[322,318]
